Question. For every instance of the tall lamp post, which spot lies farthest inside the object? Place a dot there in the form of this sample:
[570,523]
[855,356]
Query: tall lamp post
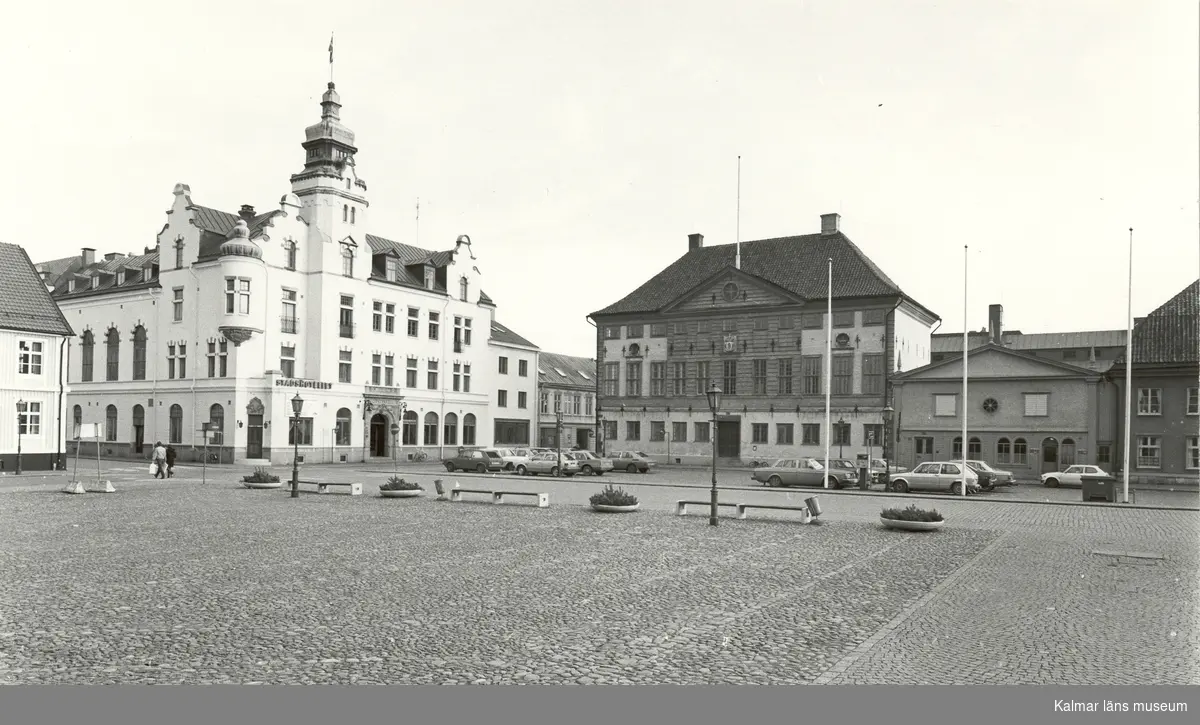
[601,439]
[403,411]
[841,438]
[297,406]
[714,404]
[395,448]
[20,430]
[886,476]
[558,430]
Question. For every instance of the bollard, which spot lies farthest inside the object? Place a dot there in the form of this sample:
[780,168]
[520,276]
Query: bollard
[441,491]
[814,506]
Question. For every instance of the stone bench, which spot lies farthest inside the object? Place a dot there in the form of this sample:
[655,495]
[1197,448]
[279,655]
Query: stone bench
[543,499]
[681,506]
[354,489]
[805,510]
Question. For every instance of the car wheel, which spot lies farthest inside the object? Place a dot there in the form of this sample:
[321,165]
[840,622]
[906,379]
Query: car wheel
[956,488]
[554,471]
[587,470]
[508,467]
[834,483]
[522,470]
[449,467]
[1052,483]
[900,486]
[631,468]
[481,468]
[774,481]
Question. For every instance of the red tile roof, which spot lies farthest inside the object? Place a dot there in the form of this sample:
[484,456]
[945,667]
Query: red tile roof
[797,264]
[1169,335]
[26,305]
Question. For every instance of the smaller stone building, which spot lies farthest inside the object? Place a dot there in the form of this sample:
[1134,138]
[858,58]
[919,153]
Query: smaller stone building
[567,383]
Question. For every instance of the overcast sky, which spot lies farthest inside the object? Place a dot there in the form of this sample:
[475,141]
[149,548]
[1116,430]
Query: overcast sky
[579,143]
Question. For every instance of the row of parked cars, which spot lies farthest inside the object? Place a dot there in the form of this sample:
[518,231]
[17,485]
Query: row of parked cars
[843,473]
[546,461]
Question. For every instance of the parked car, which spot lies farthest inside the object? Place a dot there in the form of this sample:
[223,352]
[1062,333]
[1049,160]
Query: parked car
[1003,478]
[1072,476]
[987,479]
[591,464]
[935,476]
[844,465]
[478,460]
[878,466]
[632,461]
[548,464]
[803,472]
[511,457]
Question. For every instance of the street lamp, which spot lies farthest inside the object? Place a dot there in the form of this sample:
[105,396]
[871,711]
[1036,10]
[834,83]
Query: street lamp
[297,406]
[558,429]
[20,430]
[714,404]
[841,436]
[395,448]
[886,443]
[601,439]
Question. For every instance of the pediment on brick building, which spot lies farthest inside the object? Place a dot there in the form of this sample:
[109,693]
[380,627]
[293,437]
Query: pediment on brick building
[996,362]
[731,289]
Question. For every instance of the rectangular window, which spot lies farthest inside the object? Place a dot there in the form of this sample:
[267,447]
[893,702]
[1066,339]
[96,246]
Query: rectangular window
[182,360]
[389,370]
[924,447]
[503,365]
[612,375]
[456,377]
[588,404]
[212,359]
[812,321]
[1069,354]
[467,331]
[29,357]
[1193,401]
[177,304]
[703,378]
[29,418]
[843,375]
[376,368]
[558,402]
[811,371]
[522,399]
[679,432]
[610,430]
[1020,450]
[466,378]
[287,320]
[576,404]
[1037,404]
[810,434]
[612,332]
[391,269]
[301,433]
[414,322]
[658,371]
[759,432]
[658,329]
[785,434]
[222,359]
[760,377]
[346,317]
[545,402]
[377,316]
[729,326]
[701,433]
[345,359]
[785,376]
[701,326]
[389,318]
[523,368]
[633,379]
[502,398]
[873,434]
[290,261]
[1193,453]
[1103,455]
[237,295]
[287,360]
[872,374]
[431,375]
[434,320]
[633,430]
[179,254]
[873,318]
[658,431]
[786,322]
[347,261]
[633,332]
[678,379]
[1149,452]
[841,434]
[170,362]
[729,376]
[760,324]
[843,319]
[410,373]
[1149,401]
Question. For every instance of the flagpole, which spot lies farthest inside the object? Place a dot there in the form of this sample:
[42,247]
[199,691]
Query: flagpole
[828,370]
[331,58]
[737,262]
[964,395]
[1128,372]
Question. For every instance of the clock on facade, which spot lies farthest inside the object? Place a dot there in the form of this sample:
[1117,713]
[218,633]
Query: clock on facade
[990,405]
[730,292]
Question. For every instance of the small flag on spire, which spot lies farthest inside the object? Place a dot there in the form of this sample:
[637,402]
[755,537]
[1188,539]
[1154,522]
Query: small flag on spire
[331,49]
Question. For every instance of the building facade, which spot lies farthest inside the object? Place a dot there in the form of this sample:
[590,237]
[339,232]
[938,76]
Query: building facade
[1092,349]
[567,384]
[230,316]
[751,319]
[33,381]
[514,387]
[1025,413]
[1165,424]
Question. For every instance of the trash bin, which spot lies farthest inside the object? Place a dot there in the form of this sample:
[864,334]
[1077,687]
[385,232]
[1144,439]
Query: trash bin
[864,478]
[1096,487]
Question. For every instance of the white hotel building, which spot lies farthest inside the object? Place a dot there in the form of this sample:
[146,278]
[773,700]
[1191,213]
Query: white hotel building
[231,315]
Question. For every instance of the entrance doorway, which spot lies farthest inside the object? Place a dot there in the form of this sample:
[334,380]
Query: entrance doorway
[379,435]
[1049,455]
[254,436]
[581,438]
[729,438]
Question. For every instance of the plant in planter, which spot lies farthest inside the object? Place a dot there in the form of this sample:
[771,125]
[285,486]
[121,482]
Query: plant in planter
[261,478]
[912,518]
[614,500]
[397,487]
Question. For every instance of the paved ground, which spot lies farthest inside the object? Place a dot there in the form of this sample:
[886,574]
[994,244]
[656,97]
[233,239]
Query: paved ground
[179,582]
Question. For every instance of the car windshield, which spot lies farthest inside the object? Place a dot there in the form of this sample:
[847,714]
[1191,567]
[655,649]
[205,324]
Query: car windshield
[980,464]
[813,464]
[493,454]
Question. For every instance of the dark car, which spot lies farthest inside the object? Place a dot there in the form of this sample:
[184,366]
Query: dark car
[987,479]
[475,460]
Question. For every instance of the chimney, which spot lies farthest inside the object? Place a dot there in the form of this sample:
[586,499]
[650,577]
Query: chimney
[89,256]
[830,223]
[247,213]
[111,256]
[996,323]
[695,241]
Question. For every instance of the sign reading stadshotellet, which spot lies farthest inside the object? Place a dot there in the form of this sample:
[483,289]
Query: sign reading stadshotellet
[300,383]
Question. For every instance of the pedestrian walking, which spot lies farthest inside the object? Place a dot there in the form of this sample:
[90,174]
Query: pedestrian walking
[171,454]
[159,458]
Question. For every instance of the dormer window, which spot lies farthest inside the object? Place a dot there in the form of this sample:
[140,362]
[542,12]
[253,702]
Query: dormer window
[392,269]
[120,278]
[95,282]
[429,277]
[70,285]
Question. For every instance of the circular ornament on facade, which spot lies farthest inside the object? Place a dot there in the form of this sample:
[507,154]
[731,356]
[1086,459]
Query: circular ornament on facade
[730,291]
[990,405]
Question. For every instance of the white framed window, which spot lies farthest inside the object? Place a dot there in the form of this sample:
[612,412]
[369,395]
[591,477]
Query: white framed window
[376,368]
[1193,453]
[1037,404]
[392,269]
[945,405]
[29,418]
[1149,401]
[414,322]
[1193,401]
[345,361]
[389,370]
[347,260]
[287,321]
[1149,452]
[287,360]
[377,316]
[389,318]
[29,357]
[237,295]
[177,304]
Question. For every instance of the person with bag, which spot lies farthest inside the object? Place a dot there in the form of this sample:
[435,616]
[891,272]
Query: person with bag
[159,460]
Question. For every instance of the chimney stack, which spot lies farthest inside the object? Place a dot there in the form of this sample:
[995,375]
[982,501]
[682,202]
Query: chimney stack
[695,241]
[89,256]
[247,213]
[111,256]
[996,323]
[830,223]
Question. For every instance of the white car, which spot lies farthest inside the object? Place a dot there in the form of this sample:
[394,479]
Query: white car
[1072,476]
[512,457]
[935,476]
[1003,478]
[590,463]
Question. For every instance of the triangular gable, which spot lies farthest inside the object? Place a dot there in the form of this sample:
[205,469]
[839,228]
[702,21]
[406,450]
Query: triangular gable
[993,361]
[731,288]
[349,241]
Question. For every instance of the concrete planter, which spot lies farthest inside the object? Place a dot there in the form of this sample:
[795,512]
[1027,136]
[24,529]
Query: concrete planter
[413,493]
[270,484]
[911,525]
[607,509]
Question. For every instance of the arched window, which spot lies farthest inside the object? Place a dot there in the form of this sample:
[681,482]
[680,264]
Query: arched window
[463,288]
[113,341]
[353,209]
[216,425]
[408,430]
[431,429]
[342,424]
[450,430]
[468,429]
[347,260]
[957,453]
[1066,452]
[139,353]
[175,430]
[110,423]
[974,449]
[1019,451]
[139,423]
[345,212]
[89,349]
[77,417]
[1003,451]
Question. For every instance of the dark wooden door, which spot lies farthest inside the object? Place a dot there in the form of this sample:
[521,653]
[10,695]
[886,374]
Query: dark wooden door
[729,439]
[254,436]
